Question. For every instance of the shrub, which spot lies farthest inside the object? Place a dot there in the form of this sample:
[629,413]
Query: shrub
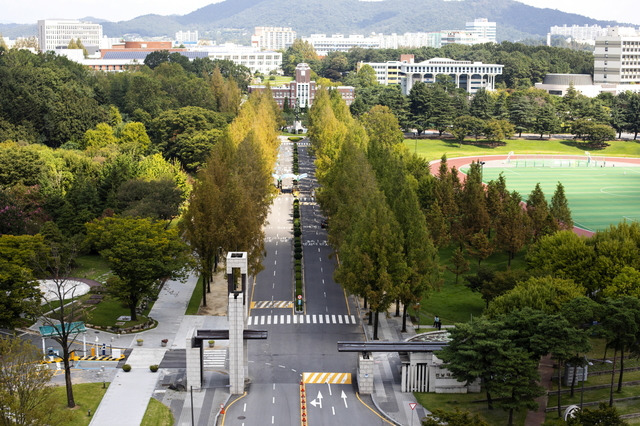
[153,368]
[298,250]
[298,256]
[298,275]
[298,269]
[297,232]
[126,368]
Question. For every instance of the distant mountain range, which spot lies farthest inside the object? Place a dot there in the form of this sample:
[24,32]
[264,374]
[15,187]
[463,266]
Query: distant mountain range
[515,20]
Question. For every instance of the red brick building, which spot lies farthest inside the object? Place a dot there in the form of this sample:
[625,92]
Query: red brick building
[302,90]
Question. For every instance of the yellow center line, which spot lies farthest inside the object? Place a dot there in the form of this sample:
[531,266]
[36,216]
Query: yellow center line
[229,406]
[372,410]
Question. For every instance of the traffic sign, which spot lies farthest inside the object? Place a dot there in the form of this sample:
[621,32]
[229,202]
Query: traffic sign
[299,296]
[413,405]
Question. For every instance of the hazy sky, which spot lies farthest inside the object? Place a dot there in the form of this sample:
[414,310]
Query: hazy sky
[29,11]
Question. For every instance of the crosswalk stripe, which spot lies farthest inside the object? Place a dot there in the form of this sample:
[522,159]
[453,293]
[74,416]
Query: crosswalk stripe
[300,319]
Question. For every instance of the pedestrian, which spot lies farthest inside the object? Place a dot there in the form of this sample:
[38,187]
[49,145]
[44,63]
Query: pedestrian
[439,324]
[436,321]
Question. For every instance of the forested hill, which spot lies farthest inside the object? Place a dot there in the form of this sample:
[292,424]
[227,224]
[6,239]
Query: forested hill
[515,20]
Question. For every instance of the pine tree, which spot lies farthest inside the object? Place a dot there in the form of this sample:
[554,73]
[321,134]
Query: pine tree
[560,209]
[542,222]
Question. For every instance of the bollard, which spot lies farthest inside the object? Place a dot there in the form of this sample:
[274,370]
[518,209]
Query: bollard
[88,413]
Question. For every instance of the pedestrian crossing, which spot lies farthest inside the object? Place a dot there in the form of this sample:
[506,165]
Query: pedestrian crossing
[214,358]
[272,304]
[301,319]
[333,378]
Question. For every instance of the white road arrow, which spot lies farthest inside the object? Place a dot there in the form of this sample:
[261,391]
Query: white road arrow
[344,398]
[318,400]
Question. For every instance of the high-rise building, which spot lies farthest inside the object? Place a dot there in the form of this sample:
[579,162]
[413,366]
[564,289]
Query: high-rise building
[617,57]
[272,38]
[53,33]
[483,30]
[187,36]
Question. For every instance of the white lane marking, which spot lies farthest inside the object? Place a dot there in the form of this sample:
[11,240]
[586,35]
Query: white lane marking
[333,319]
[273,400]
[274,285]
[323,281]
[274,273]
[276,251]
[325,294]
[340,319]
[318,249]
[353,319]
[250,319]
[281,366]
[274,386]
[314,319]
[321,269]
[282,319]
[269,319]
[295,319]
[308,319]
[320,318]
[333,410]
[320,259]
[273,420]
[245,407]
[275,262]
[261,320]
[288,319]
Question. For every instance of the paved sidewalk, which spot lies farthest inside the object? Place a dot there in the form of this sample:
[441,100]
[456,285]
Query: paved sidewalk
[128,395]
[387,396]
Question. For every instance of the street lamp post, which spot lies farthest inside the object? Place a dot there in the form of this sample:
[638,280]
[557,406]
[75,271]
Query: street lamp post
[482,171]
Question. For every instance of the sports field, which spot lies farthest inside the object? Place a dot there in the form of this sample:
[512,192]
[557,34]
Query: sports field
[598,196]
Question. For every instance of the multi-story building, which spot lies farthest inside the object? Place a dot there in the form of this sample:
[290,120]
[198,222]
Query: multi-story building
[55,33]
[272,38]
[617,57]
[410,40]
[467,75]
[302,91]
[187,37]
[483,30]
[256,60]
[582,34]
[339,43]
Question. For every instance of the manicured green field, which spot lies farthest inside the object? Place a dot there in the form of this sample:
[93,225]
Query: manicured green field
[598,196]
[433,149]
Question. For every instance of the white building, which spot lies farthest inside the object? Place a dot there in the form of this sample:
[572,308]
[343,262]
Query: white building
[187,37]
[339,43]
[54,33]
[483,30]
[409,40]
[256,60]
[617,57]
[582,34]
[272,38]
[466,75]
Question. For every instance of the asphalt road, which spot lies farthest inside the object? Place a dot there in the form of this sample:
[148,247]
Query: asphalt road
[300,344]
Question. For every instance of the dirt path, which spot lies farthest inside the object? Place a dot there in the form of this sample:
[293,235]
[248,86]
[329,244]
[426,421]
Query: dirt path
[217,299]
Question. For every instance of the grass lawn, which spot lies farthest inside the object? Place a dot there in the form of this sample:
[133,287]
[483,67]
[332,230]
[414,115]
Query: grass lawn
[93,267]
[433,149]
[455,302]
[157,414]
[196,298]
[466,402]
[87,397]
[106,313]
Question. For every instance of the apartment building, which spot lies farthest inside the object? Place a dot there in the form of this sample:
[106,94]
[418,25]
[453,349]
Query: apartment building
[272,38]
[324,44]
[617,57]
[55,33]
[483,30]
